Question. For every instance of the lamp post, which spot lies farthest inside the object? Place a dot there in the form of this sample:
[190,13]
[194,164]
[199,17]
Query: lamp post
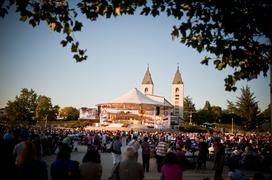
[232,125]
[190,117]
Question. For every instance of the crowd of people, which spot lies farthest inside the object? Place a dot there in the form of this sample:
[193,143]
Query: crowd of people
[23,149]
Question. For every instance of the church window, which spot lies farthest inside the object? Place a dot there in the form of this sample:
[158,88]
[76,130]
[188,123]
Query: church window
[146,90]
[177,90]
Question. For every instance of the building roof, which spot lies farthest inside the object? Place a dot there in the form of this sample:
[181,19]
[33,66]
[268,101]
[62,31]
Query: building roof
[160,99]
[147,78]
[177,78]
[134,99]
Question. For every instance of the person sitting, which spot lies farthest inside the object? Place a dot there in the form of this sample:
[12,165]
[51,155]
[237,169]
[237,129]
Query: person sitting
[234,173]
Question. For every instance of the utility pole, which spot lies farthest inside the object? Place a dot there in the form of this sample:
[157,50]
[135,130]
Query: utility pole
[190,117]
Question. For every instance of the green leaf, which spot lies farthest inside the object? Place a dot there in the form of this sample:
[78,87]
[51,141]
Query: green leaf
[81,52]
[23,18]
[78,26]
[175,33]
[32,22]
[69,38]
[199,48]
[74,47]
[3,12]
[221,66]
[155,12]
[76,57]
[168,11]
[64,43]
[205,60]
[216,62]
[67,28]
[145,11]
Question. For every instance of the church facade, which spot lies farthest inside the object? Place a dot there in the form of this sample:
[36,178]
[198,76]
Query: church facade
[177,91]
[143,107]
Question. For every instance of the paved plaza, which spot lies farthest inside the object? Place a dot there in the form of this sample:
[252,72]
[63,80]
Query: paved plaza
[106,159]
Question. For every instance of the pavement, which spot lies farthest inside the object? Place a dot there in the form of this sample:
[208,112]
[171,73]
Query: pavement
[106,161]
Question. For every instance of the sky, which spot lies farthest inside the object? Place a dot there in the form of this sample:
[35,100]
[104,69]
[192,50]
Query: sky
[119,51]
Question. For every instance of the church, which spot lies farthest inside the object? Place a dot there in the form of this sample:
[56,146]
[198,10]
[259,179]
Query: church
[177,91]
[144,107]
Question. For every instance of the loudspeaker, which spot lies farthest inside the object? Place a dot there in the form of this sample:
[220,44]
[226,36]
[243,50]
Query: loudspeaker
[157,111]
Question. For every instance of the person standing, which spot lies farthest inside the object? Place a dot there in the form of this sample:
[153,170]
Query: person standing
[171,168]
[129,168]
[145,153]
[219,158]
[91,168]
[161,151]
[29,166]
[203,153]
[116,150]
[63,167]
[136,145]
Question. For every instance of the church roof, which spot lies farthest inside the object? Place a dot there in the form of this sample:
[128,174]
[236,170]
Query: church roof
[147,78]
[177,78]
[160,99]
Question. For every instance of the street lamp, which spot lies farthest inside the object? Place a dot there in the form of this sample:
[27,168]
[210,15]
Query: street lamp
[219,126]
[190,117]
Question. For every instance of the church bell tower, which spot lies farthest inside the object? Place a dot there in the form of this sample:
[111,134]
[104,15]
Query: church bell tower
[178,94]
[147,83]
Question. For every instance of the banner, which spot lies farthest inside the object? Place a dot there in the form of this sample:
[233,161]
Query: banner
[88,114]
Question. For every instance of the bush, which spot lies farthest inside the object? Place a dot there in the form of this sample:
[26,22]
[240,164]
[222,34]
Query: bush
[76,124]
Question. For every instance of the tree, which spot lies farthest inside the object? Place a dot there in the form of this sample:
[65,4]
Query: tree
[23,107]
[266,113]
[43,109]
[247,107]
[203,116]
[69,113]
[189,108]
[231,108]
[207,106]
[217,112]
[235,32]
[54,114]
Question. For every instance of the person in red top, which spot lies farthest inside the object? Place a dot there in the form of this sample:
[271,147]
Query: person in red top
[171,169]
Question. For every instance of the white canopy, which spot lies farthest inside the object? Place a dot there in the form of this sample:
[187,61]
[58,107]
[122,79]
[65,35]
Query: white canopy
[134,99]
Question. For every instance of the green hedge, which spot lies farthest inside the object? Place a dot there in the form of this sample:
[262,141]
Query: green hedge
[79,123]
